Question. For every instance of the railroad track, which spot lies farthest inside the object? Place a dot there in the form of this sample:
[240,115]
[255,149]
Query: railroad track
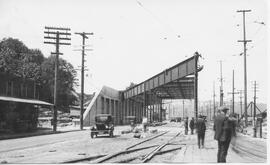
[251,151]
[140,152]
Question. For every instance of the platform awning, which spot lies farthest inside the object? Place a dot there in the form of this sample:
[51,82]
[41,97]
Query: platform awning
[27,101]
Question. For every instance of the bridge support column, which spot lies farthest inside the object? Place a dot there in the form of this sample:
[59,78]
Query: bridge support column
[112,107]
[159,111]
[115,112]
[137,112]
[125,111]
[151,107]
[133,108]
[141,110]
[122,112]
[144,103]
[128,111]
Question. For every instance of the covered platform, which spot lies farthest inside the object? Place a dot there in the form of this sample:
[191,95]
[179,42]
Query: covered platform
[176,82]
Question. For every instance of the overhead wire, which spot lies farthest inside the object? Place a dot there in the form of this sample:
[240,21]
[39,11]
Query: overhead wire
[165,25]
[154,16]
[253,37]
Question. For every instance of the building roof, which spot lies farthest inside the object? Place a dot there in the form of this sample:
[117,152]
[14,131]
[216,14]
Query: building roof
[20,100]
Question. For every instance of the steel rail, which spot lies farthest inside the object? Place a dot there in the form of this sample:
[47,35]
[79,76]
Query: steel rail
[106,157]
[158,153]
[155,151]
[127,150]
[146,157]
[242,149]
[101,158]
[83,159]
[153,137]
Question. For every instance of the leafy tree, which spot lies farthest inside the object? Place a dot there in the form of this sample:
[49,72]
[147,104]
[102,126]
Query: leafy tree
[18,60]
[132,84]
[66,80]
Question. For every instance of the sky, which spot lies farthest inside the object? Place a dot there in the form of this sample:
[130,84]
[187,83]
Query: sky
[136,39]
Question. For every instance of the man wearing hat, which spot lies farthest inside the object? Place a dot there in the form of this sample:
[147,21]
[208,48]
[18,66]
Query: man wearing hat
[223,133]
[200,126]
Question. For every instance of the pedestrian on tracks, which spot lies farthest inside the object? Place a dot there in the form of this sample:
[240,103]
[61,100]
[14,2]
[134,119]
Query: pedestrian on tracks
[144,123]
[191,125]
[223,127]
[201,127]
[186,126]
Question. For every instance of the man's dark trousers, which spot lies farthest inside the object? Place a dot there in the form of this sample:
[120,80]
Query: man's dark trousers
[186,130]
[223,147]
[201,139]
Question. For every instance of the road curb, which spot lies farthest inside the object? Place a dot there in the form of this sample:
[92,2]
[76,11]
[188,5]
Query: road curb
[37,134]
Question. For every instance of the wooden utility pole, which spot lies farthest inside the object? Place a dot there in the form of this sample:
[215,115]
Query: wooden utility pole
[221,85]
[196,57]
[233,93]
[84,36]
[240,97]
[245,62]
[56,34]
[254,112]
[183,108]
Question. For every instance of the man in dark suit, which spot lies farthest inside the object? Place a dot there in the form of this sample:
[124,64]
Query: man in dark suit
[186,126]
[191,125]
[223,133]
[200,126]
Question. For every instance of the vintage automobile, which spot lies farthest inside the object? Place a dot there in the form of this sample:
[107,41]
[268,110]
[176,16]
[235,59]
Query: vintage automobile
[103,125]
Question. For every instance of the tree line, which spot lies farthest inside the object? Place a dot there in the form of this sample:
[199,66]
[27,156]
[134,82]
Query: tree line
[16,59]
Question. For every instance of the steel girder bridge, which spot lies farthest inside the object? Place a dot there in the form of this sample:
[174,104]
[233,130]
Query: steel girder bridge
[177,82]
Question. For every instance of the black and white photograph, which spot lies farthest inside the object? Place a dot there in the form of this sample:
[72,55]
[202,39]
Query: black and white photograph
[133,81]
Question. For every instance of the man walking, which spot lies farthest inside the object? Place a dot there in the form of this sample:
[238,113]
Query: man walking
[223,133]
[200,124]
[186,126]
[191,125]
[144,123]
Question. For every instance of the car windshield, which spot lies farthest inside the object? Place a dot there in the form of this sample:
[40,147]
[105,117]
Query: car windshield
[103,119]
